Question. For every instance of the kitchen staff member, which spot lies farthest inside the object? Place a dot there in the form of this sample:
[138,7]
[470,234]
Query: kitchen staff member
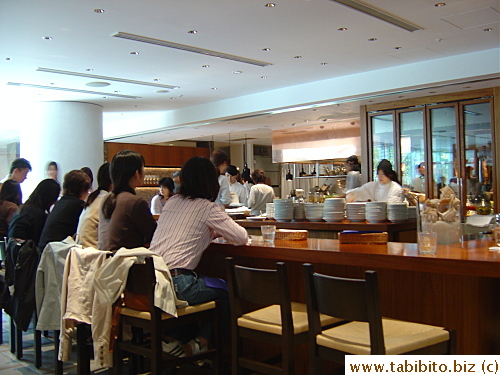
[386,189]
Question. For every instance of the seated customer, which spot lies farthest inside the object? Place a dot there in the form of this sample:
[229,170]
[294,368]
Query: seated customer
[29,220]
[89,220]
[124,218]
[63,219]
[190,220]
[10,199]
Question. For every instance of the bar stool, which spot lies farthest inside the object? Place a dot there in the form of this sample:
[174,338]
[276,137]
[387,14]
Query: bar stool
[281,322]
[367,332]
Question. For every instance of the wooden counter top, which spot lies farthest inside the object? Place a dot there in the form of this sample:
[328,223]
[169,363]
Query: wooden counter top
[469,258]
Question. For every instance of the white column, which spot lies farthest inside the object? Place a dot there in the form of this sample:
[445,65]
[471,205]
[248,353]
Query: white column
[69,133]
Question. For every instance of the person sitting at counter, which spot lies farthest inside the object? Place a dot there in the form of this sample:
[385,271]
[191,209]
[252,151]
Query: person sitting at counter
[235,185]
[386,189]
[260,193]
[189,222]
[166,189]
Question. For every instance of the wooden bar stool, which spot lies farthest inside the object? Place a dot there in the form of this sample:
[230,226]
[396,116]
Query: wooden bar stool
[367,332]
[280,322]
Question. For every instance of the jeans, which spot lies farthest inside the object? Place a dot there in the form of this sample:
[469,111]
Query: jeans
[192,288]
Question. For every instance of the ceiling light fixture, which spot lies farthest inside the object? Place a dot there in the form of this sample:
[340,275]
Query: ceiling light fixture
[266,49]
[237,72]
[89,70]
[378,13]
[323,63]
[398,47]
[214,88]
[205,66]
[184,47]
[70,90]
[342,29]
[8,59]
[156,80]
[172,98]
[372,39]
[297,57]
[162,91]
[105,78]
[97,84]
[192,32]
[99,11]
[488,29]
[289,175]
[47,38]
[270,5]
[263,77]
[134,53]
[440,5]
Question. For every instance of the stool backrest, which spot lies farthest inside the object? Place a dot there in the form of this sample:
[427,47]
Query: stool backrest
[259,286]
[349,299]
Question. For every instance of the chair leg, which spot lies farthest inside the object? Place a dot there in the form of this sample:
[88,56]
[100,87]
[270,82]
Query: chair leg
[38,348]
[217,341]
[287,356]
[19,343]
[12,336]
[315,367]
[82,352]
[156,352]
[1,326]
[58,365]
[235,351]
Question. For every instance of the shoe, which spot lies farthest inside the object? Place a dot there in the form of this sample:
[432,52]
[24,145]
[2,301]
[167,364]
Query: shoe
[173,348]
[196,348]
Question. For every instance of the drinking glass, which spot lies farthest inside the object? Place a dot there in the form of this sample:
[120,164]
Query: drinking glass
[268,232]
[496,234]
[427,242]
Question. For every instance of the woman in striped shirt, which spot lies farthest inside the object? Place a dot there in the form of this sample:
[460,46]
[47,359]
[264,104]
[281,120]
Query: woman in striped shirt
[189,221]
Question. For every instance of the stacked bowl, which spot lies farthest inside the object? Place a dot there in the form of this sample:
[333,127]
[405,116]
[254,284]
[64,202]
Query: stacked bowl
[270,210]
[333,210]
[314,211]
[376,212]
[412,212]
[283,210]
[397,212]
[355,211]
[299,211]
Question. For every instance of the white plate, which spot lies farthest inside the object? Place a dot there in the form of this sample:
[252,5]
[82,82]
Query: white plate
[256,218]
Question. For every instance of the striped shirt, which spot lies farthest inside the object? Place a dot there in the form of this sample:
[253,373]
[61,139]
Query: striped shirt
[187,226]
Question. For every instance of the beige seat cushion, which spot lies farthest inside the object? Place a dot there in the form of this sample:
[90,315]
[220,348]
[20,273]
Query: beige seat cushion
[268,319]
[400,337]
[180,312]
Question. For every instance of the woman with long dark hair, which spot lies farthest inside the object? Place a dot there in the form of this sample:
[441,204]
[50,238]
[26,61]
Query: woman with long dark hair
[124,218]
[89,219]
[385,189]
[166,189]
[10,199]
[28,222]
[189,221]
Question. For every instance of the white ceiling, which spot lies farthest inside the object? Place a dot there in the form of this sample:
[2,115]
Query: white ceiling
[81,42]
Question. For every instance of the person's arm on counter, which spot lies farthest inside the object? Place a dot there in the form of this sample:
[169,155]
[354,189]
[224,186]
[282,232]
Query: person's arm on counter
[224,226]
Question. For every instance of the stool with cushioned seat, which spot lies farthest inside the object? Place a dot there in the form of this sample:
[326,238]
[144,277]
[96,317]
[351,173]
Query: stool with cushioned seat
[367,332]
[280,322]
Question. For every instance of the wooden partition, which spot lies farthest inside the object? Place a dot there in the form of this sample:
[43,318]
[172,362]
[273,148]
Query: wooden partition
[157,156]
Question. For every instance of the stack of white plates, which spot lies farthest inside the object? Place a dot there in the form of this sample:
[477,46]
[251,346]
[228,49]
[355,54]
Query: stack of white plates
[314,211]
[283,210]
[270,210]
[376,212]
[333,209]
[412,212]
[355,211]
[397,212]
[299,211]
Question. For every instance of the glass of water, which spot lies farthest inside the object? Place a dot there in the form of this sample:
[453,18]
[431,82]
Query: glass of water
[427,242]
[268,232]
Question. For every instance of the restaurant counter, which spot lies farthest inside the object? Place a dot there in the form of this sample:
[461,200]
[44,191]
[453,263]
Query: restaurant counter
[398,232]
[457,288]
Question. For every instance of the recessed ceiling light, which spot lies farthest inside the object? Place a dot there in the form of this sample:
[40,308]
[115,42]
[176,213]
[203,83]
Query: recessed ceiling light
[8,58]
[117,91]
[323,63]
[401,96]
[136,106]
[214,88]
[104,97]
[98,10]
[342,29]
[398,47]
[266,49]
[172,98]
[52,83]
[97,84]
[134,53]
[270,5]
[263,77]
[89,70]
[156,80]
[192,32]
[372,39]
[205,66]
[488,29]
[440,5]
[297,57]
[162,91]
[47,38]
[237,72]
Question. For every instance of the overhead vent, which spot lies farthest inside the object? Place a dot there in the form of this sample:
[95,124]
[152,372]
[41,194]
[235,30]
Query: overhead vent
[378,13]
[184,47]
[106,78]
[71,90]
